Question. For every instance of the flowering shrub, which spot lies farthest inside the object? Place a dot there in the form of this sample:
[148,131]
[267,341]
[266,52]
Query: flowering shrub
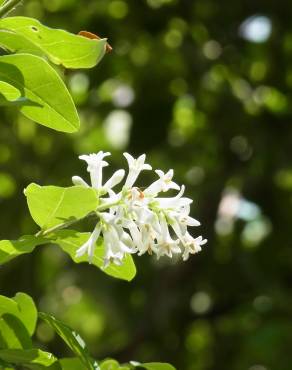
[132,220]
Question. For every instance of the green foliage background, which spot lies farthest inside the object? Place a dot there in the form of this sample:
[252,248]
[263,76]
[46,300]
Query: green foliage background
[184,87]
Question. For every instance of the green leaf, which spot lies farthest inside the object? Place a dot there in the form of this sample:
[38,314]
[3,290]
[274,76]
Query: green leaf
[156,366]
[9,91]
[8,305]
[61,47]
[10,249]
[31,358]
[13,333]
[72,339]
[49,102]
[15,43]
[27,311]
[73,363]
[70,241]
[21,306]
[111,364]
[50,206]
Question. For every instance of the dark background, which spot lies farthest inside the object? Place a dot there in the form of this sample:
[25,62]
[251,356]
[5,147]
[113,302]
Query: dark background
[203,87]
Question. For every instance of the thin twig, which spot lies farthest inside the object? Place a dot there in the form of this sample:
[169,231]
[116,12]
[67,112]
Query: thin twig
[62,226]
[8,6]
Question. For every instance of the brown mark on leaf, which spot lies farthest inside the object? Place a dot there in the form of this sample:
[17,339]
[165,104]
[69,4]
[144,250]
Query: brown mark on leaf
[93,36]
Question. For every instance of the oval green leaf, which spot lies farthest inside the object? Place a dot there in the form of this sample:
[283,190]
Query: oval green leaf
[10,249]
[51,206]
[49,102]
[22,307]
[27,35]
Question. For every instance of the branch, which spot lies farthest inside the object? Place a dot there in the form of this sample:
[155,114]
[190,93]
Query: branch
[8,6]
[63,225]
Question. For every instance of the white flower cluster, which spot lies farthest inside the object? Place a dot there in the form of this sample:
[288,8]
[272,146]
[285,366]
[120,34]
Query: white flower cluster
[135,220]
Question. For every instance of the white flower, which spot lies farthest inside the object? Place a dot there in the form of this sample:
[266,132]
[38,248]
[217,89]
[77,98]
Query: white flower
[116,178]
[135,167]
[184,218]
[179,221]
[77,180]
[192,245]
[95,164]
[135,221]
[135,234]
[115,247]
[163,184]
[116,241]
[148,239]
[176,202]
[89,246]
[167,245]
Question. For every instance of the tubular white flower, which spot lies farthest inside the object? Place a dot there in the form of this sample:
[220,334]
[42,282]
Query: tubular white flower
[167,248]
[95,164]
[89,246]
[163,184]
[192,245]
[116,242]
[115,249]
[116,178]
[77,180]
[135,234]
[179,221]
[178,228]
[167,245]
[187,220]
[184,218]
[175,202]
[135,167]
[148,240]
